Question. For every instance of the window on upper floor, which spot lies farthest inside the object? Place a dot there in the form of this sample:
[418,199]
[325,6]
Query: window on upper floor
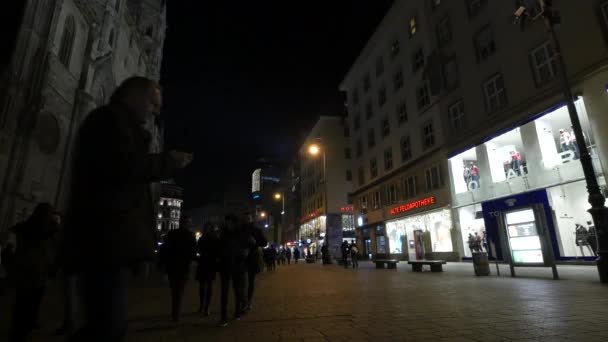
[382,96]
[450,74]
[485,45]
[406,149]
[371,138]
[346,130]
[475,6]
[373,168]
[433,178]
[392,194]
[369,111]
[456,114]
[444,30]
[388,159]
[428,135]
[495,93]
[376,204]
[394,48]
[359,148]
[355,96]
[398,80]
[367,83]
[67,41]
[379,66]
[409,186]
[401,111]
[417,60]
[413,26]
[385,127]
[363,203]
[544,63]
[423,97]
[347,154]
[349,176]
[361,176]
[357,121]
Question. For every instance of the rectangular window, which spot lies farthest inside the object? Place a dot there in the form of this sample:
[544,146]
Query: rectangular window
[379,66]
[349,176]
[413,26]
[355,96]
[367,83]
[456,112]
[401,113]
[346,130]
[394,48]
[382,96]
[410,187]
[418,60]
[363,203]
[376,200]
[357,122]
[385,128]
[369,112]
[371,138]
[475,6]
[450,73]
[398,80]
[406,149]
[423,98]
[359,148]
[433,178]
[392,193]
[388,159]
[485,46]
[428,136]
[347,153]
[361,176]
[544,63]
[495,93]
[444,30]
[373,168]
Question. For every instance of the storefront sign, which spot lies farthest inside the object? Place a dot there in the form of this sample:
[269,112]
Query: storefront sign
[413,205]
[348,208]
[310,216]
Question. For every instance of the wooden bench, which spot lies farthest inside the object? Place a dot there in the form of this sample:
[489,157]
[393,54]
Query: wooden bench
[390,263]
[436,265]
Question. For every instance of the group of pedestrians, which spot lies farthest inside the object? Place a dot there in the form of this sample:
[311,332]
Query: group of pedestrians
[281,256]
[349,250]
[233,252]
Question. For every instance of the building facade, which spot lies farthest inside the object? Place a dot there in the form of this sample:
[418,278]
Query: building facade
[68,57]
[509,181]
[325,182]
[169,208]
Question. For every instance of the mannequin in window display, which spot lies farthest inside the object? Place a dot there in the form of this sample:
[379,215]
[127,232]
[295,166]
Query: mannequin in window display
[582,238]
[466,174]
[471,242]
[516,162]
[478,243]
[592,238]
[484,241]
[564,140]
[574,144]
[474,172]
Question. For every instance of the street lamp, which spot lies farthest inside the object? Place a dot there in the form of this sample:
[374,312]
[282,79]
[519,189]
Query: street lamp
[262,214]
[314,150]
[598,210]
[279,196]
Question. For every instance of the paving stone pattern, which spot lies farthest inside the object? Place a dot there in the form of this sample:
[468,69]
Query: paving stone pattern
[311,302]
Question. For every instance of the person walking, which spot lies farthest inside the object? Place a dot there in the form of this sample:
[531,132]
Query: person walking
[345,252]
[235,245]
[282,256]
[32,266]
[111,215]
[253,263]
[179,250]
[288,255]
[208,255]
[296,254]
[273,257]
[354,254]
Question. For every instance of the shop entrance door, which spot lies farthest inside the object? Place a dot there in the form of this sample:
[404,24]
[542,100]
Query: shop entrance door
[416,246]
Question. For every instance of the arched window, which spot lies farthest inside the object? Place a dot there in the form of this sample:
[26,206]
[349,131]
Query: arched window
[67,41]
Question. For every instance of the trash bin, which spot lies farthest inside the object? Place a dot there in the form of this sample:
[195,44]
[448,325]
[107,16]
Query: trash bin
[481,264]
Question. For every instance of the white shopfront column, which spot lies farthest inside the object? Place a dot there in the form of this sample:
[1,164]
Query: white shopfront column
[538,160]
[485,176]
[595,97]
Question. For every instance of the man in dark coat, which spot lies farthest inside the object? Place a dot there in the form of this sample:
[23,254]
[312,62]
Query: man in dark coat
[235,245]
[253,264]
[296,254]
[208,251]
[179,250]
[110,223]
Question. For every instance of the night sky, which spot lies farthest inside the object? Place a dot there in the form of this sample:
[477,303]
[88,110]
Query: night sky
[247,79]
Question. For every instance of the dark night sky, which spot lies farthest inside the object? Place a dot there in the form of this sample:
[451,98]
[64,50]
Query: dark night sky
[247,79]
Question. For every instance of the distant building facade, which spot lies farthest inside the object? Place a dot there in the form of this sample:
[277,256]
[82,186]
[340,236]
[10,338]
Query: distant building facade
[169,208]
[67,58]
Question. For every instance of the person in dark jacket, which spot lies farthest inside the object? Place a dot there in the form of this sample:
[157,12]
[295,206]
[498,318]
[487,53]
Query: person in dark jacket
[33,262]
[296,254]
[235,245]
[179,250]
[253,265]
[345,252]
[207,248]
[110,222]
[288,254]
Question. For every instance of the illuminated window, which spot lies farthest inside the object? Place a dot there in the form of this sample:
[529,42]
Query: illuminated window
[413,26]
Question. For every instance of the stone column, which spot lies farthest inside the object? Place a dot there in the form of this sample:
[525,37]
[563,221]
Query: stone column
[596,103]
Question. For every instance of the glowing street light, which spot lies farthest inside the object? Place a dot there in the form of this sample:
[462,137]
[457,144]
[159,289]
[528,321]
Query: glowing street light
[277,196]
[263,214]
[314,149]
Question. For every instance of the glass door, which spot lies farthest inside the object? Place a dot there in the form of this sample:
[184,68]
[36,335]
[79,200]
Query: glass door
[524,240]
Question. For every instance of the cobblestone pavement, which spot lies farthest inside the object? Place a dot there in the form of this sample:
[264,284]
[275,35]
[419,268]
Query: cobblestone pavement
[311,302]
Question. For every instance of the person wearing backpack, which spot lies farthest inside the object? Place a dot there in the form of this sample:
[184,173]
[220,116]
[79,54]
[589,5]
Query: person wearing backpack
[354,252]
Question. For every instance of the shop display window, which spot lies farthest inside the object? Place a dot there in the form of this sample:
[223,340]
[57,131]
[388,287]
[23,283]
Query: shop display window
[437,223]
[348,222]
[473,230]
[313,229]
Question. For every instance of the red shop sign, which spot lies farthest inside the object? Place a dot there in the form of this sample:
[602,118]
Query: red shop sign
[413,205]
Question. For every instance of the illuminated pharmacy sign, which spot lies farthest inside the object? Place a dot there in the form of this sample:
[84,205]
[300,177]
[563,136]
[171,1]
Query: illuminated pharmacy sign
[413,205]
